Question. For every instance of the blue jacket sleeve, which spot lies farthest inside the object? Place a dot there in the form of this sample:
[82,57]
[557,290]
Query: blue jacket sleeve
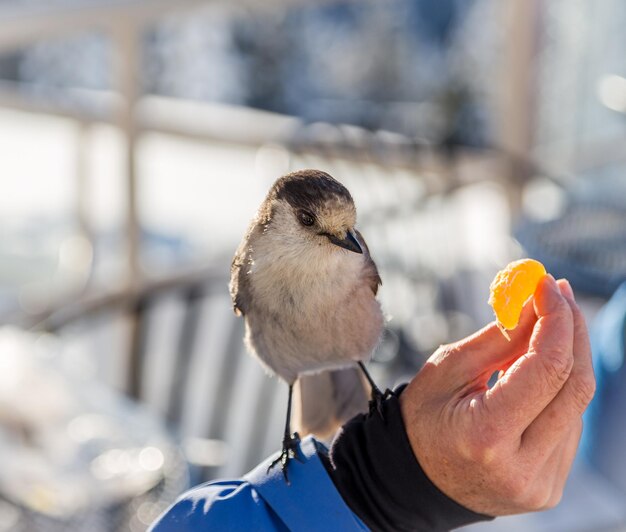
[262,500]
[229,505]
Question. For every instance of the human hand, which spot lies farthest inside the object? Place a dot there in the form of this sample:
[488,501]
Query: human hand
[506,449]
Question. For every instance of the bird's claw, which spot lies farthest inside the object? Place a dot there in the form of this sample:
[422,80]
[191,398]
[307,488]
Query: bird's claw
[291,450]
[376,402]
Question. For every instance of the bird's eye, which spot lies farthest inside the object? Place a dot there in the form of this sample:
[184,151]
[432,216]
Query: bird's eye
[306,218]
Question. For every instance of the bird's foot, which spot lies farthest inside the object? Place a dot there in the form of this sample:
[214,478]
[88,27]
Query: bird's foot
[291,450]
[376,402]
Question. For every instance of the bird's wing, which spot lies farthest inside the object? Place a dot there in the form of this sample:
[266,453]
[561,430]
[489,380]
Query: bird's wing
[239,285]
[371,271]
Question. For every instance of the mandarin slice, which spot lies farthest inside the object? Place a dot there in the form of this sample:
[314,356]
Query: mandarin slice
[510,289]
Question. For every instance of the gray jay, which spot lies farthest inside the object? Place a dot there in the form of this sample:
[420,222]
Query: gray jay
[306,285]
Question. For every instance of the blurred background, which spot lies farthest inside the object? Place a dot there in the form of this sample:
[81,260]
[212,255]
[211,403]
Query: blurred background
[137,139]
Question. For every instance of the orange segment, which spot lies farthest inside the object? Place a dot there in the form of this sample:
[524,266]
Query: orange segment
[510,289]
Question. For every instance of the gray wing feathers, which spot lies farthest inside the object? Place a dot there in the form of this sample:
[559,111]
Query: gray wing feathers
[373,276]
[239,285]
[325,401]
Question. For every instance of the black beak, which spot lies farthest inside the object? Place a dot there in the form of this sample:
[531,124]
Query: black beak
[349,242]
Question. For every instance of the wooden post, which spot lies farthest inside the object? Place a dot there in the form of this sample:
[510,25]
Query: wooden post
[127,69]
[515,113]
[127,66]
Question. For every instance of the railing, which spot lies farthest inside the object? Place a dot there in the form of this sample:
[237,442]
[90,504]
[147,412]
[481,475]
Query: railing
[124,20]
[427,172]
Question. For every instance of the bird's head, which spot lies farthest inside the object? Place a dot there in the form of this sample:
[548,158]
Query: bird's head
[310,206]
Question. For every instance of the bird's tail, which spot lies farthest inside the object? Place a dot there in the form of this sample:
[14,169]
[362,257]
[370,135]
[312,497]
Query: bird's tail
[325,401]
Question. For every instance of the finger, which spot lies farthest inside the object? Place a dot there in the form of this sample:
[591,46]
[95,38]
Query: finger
[487,350]
[547,470]
[550,470]
[533,381]
[567,454]
[577,392]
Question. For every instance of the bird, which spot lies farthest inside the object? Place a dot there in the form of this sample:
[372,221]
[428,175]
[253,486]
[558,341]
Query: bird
[306,285]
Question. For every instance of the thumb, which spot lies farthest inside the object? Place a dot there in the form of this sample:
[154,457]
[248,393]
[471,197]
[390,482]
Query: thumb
[486,351]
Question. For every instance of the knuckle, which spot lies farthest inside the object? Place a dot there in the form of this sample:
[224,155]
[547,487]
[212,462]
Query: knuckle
[516,487]
[482,454]
[556,367]
[445,351]
[445,354]
[583,390]
[526,494]
[483,446]
[553,501]
[538,499]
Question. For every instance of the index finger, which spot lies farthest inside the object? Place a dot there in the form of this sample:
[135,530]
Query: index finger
[535,378]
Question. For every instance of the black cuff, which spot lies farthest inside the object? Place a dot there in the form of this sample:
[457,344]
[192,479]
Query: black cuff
[373,466]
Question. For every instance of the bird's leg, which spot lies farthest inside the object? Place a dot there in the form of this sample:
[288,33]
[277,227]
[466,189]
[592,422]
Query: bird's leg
[376,402]
[290,443]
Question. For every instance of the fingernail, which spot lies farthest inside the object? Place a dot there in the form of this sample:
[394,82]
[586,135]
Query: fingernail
[566,289]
